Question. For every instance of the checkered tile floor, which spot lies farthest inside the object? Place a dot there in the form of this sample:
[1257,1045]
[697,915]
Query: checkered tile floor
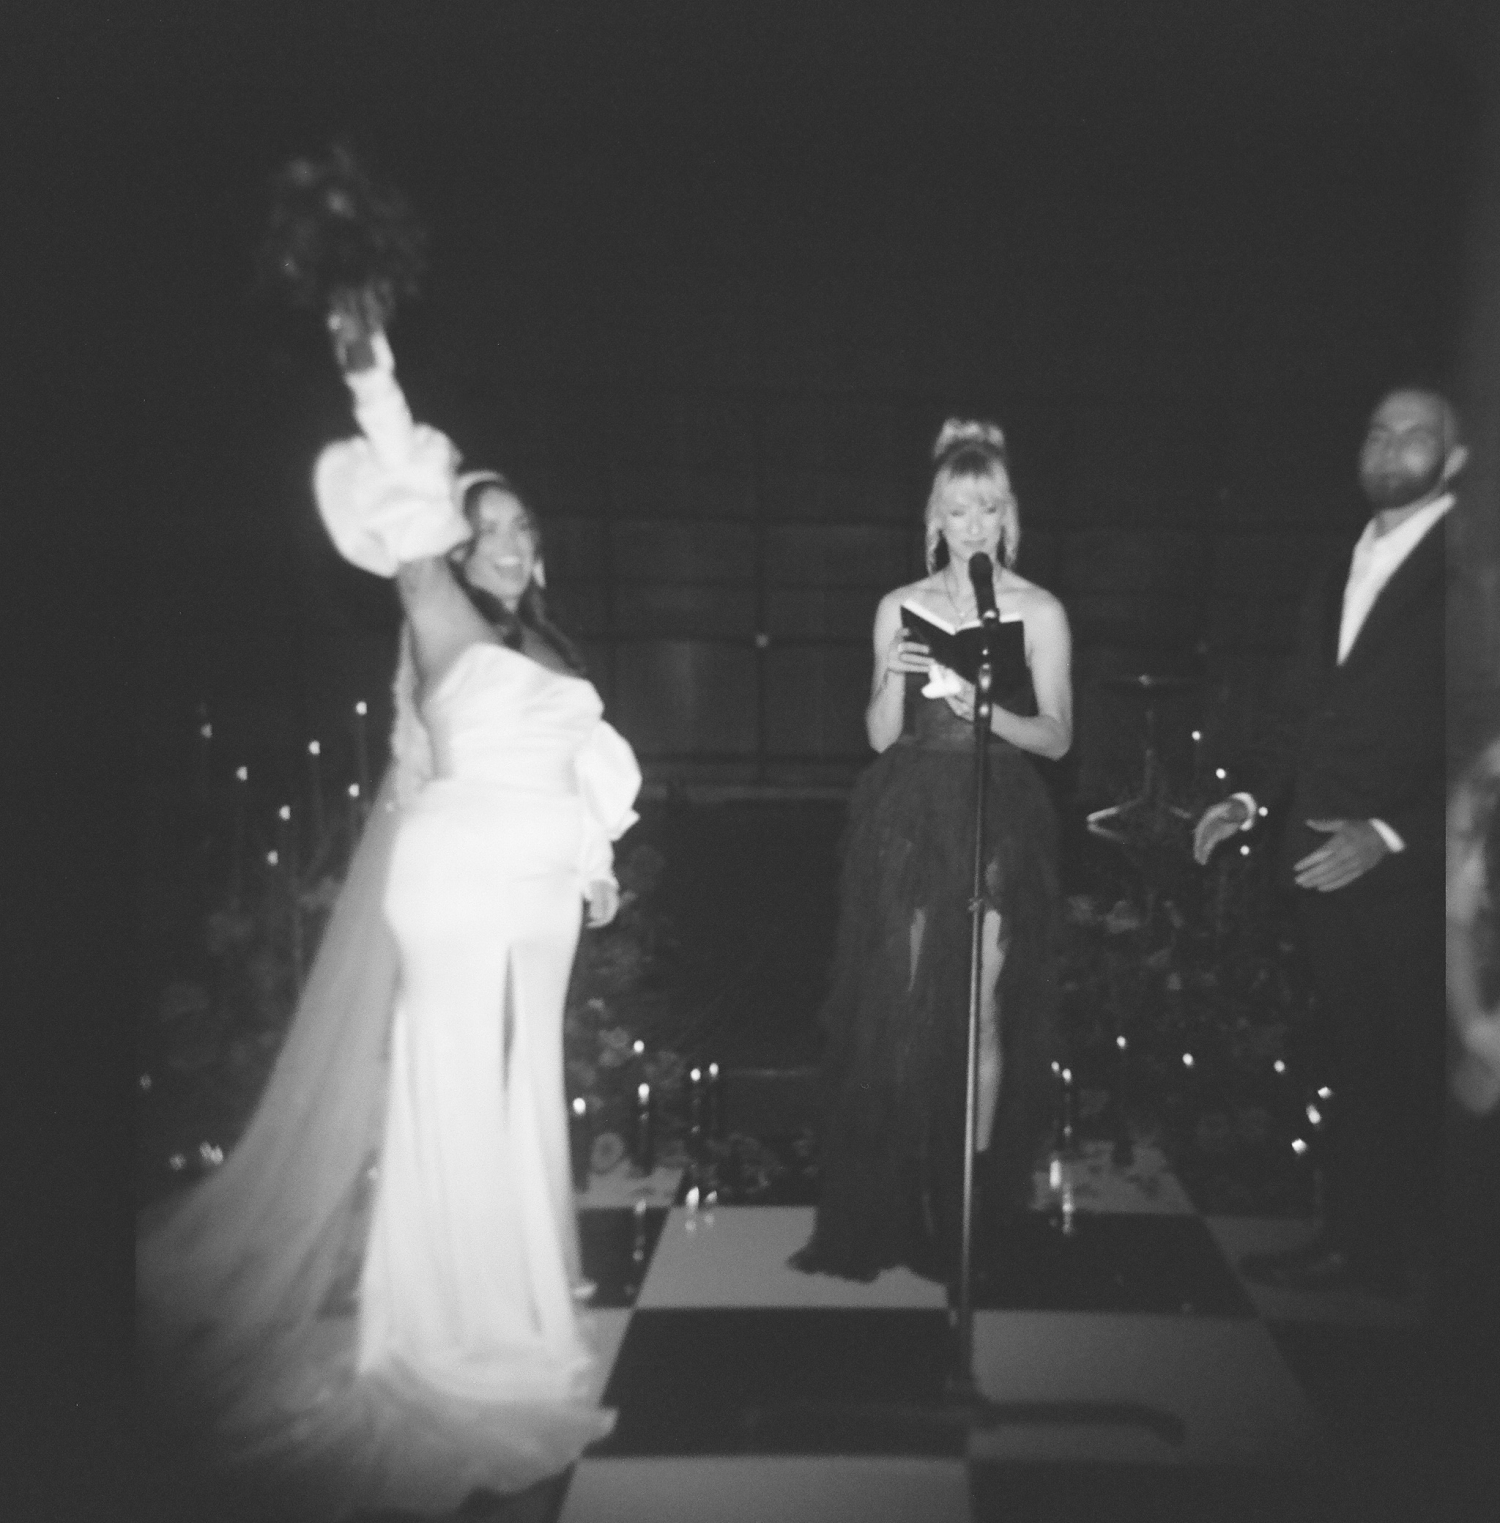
[1125,1353]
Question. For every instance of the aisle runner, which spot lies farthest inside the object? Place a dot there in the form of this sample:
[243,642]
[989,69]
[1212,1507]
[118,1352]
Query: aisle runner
[1124,1348]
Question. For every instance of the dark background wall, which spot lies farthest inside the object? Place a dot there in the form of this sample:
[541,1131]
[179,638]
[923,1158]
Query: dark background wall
[707,279]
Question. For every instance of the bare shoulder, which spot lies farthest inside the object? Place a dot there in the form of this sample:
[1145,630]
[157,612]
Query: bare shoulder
[1031,601]
[927,591]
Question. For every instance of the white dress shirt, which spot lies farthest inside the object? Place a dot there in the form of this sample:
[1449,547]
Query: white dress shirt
[1376,559]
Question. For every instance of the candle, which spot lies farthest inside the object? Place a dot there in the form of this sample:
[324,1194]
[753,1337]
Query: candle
[237,850]
[361,756]
[1068,1113]
[315,789]
[1123,1152]
[645,1130]
[582,1140]
[714,1103]
[356,818]
[204,750]
[695,1110]
[1059,1188]
[286,836]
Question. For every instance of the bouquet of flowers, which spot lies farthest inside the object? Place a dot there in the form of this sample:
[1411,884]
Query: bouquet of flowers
[337,234]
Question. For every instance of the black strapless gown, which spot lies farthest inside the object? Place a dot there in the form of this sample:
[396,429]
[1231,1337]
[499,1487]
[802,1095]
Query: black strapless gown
[894,1065]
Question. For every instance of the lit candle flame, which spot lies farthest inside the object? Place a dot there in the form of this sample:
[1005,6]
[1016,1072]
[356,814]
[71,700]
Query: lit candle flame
[1279,1066]
[643,1094]
[1299,1147]
[285,812]
[580,1106]
[243,773]
[1187,1060]
[361,708]
[354,790]
[314,749]
[272,858]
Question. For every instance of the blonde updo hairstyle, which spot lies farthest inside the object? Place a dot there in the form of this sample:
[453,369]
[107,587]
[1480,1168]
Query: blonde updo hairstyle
[968,450]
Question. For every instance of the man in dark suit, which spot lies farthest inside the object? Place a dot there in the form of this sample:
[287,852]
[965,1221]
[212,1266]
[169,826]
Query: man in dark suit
[1356,749]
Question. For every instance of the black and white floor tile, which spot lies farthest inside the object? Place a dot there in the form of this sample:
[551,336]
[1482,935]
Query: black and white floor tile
[1127,1349]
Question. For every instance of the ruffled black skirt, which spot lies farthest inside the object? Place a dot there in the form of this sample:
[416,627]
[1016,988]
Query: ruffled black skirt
[894,1067]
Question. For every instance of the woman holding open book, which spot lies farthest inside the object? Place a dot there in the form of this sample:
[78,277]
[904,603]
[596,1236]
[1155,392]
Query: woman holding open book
[896,1018]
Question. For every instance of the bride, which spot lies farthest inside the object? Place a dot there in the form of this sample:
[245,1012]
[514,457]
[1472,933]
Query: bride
[410,1154]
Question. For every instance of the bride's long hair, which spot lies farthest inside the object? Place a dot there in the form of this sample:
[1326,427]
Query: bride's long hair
[531,612]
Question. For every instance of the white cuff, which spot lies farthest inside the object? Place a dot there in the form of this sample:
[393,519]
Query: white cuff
[1389,836]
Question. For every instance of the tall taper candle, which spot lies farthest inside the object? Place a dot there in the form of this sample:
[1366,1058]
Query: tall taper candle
[315,788]
[695,1111]
[1122,1155]
[204,750]
[286,835]
[237,846]
[714,1103]
[361,755]
[581,1140]
[645,1130]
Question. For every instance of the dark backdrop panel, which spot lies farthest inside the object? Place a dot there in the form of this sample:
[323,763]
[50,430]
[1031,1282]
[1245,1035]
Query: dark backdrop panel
[686,698]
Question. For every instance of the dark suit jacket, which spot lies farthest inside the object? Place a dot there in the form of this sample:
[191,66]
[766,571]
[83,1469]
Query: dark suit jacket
[1365,739]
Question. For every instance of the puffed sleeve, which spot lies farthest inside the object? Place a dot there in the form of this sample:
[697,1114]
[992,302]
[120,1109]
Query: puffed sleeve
[386,495]
[609,779]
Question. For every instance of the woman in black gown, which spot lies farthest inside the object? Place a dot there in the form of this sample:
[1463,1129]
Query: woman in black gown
[896,1019]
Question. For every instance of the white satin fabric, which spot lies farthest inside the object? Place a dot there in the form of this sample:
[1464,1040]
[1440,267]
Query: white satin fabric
[412,1138]
[473,1249]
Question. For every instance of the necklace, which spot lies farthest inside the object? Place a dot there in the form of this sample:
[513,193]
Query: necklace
[948,593]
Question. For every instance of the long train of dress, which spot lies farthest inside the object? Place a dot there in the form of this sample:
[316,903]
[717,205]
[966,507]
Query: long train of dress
[896,1056]
[412,1136]
[467,1364]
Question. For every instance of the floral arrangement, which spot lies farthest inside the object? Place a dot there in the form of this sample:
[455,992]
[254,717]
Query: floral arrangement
[1187,1022]
[334,229]
[1185,1010]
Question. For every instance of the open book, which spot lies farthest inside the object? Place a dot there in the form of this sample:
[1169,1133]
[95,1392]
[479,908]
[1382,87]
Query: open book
[958,646]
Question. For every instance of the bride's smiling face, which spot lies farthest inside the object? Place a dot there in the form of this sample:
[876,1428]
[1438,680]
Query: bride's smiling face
[502,557]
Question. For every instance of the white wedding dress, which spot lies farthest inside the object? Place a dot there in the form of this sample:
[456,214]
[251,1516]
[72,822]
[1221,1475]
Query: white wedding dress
[416,1120]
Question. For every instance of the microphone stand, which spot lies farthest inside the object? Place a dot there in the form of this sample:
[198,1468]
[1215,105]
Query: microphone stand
[961,1381]
[964,1402]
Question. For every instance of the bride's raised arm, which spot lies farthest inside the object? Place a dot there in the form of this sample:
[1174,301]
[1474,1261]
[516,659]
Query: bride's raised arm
[387,498]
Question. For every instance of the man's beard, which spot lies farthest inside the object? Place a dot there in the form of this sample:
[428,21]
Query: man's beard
[1400,488]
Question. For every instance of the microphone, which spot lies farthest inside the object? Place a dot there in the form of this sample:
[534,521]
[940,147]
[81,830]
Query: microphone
[982,576]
